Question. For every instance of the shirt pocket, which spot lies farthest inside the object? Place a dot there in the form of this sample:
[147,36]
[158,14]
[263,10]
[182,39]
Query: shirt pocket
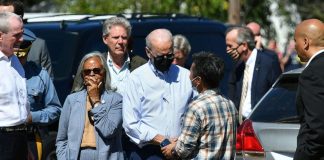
[35,98]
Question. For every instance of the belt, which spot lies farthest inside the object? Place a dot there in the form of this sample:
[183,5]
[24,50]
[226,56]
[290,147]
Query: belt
[19,128]
[31,129]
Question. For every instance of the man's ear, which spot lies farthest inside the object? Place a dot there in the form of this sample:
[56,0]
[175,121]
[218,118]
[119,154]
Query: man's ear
[147,50]
[199,80]
[104,39]
[1,34]
[245,46]
[306,43]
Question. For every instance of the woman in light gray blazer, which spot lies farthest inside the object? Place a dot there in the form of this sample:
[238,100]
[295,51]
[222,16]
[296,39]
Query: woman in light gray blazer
[90,122]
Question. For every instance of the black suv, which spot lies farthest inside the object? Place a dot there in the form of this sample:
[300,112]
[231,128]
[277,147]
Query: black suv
[70,37]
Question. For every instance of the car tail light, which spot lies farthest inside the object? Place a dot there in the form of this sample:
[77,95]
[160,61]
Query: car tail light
[247,144]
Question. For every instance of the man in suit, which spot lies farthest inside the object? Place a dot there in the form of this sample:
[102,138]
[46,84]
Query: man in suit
[309,38]
[116,32]
[254,73]
[256,30]
[38,52]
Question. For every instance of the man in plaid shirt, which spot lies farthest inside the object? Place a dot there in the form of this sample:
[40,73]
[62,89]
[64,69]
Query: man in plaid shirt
[209,126]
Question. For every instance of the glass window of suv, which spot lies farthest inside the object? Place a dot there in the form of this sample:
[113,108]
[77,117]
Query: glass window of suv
[278,105]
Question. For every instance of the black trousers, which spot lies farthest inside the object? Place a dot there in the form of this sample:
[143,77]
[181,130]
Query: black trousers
[148,152]
[13,145]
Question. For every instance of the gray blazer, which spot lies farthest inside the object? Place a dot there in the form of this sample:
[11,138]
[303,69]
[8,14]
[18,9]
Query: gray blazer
[40,55]
[107,120]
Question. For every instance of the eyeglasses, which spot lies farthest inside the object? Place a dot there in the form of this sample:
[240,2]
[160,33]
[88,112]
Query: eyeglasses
[234,49]
[169,56]
[94,70]
[237,46]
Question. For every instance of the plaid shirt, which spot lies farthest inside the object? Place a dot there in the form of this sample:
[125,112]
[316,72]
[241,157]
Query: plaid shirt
[209,128]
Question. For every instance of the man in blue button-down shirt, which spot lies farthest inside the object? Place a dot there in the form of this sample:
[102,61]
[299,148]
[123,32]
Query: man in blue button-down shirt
[155,97]
[45,107]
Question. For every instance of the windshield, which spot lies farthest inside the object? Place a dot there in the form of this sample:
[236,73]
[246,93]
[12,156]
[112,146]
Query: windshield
[279,104]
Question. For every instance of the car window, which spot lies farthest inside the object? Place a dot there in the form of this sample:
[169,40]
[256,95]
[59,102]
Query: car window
[62,46]
[278,105]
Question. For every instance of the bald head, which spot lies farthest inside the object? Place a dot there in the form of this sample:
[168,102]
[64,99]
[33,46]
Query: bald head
[159,49]
[157,37]
[309,37]
[312,29]
[255,28]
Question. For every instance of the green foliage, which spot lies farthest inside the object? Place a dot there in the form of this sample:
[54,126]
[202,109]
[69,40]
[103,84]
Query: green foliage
[258,11]
[309,8]
[215,9]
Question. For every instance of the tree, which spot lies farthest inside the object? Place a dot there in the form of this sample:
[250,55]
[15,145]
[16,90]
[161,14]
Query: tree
[250,10]
[306,9]
[257,11]
[215,9]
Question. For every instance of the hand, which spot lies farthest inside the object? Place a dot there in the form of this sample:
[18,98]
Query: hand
[29,119]
[173,139]
[93,88]
[167,150]
[234,54]
[258,42]
[157,139]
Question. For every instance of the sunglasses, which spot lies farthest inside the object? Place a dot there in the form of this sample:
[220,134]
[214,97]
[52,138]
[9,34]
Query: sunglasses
[94,70]
[168,56]
[25,44]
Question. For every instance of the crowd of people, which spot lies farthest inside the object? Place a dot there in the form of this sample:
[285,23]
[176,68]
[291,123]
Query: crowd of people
[123,106]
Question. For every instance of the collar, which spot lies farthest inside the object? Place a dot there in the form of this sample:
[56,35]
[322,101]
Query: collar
[110,61]
[314,55]
[210,91]
[157,72]
[252,57]
[3,56]
[83,94]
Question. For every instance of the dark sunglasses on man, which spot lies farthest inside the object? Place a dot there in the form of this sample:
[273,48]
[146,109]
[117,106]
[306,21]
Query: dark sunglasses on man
[169,56]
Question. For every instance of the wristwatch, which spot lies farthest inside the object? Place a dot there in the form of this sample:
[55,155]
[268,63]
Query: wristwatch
[164,143]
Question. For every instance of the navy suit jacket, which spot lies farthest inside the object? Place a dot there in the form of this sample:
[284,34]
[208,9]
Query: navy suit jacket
[266,71]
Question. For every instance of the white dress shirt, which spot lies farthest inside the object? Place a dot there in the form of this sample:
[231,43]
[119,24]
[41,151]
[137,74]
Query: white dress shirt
[246,110]
[117,75]
[14,107]
[154,102]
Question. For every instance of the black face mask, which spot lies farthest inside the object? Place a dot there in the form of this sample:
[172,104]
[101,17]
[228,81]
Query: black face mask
[163,63]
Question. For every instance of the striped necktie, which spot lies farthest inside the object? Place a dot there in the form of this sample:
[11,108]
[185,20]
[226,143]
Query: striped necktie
[245,86]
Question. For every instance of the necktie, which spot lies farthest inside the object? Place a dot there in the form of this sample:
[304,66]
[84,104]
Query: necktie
[245,85]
